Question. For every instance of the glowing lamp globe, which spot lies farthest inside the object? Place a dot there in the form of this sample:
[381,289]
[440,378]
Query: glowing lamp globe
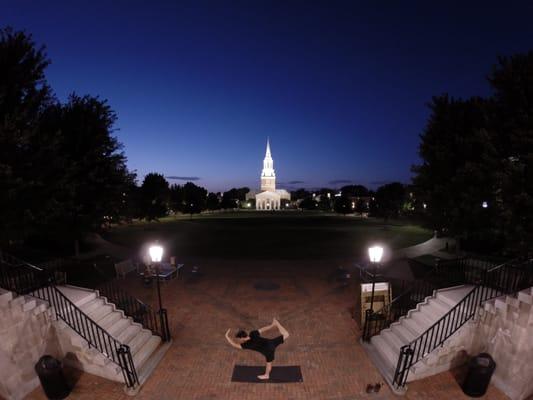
[156,253]
[375,253]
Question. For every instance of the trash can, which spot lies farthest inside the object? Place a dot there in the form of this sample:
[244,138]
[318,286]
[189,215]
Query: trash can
[50,372]
[480,370]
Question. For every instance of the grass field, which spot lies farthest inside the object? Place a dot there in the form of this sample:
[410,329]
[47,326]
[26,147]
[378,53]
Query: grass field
[268,236]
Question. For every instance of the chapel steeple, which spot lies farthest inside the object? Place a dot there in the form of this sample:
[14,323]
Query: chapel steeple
[268,175]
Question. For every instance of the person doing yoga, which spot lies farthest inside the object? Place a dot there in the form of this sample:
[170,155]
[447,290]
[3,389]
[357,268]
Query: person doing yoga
[254,341]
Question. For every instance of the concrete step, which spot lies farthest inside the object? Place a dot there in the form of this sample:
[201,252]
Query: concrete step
[422,319]
[78,296]
[395,342]
[92,305]
[405,334]
[413,326]
[386,352]
[139,340]
[454,295]
[111,318]
[119,326]
[100,312]
[146,350]
[129,333]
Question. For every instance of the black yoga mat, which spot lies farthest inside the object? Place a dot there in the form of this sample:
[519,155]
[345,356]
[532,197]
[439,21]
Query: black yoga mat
[285,374]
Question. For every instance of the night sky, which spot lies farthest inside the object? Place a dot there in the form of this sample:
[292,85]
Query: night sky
[339,87]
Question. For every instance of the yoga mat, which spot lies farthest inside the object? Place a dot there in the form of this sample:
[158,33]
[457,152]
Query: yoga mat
[285,374]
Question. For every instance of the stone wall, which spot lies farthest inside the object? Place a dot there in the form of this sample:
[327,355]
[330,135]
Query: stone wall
[26,334]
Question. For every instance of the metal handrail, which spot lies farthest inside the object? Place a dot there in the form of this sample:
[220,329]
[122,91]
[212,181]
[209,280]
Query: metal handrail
[144,314]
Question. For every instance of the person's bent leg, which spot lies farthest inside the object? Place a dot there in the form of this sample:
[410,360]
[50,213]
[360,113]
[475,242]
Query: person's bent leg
[266,375]
[282,330]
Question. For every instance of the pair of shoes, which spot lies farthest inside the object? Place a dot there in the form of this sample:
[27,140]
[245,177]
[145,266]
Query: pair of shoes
[373,388]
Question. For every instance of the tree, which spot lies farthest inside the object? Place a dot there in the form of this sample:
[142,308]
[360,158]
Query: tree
[233,197]
[512,124]
[154,196]
[459,165]
[390,199]
[194,198]
[94,181]
[62,172]
[24,96]
[300,194]
[308,204]
[361,207]
[212,202]
[343,205]
[354,191]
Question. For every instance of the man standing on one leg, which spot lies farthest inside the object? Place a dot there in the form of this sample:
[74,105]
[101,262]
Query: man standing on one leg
[255,342]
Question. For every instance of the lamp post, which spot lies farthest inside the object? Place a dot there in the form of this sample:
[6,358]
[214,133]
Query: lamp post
[374,253]
[156,254]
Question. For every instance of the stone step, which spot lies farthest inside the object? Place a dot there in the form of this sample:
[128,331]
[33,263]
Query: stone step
[386,352]
[413,326]
[395,342]
[78,296]
[119,326]
[422,319]
[139,340]
[146,350]
[111,318]
[100,312]
[405,334]
[92,305]
[129,333]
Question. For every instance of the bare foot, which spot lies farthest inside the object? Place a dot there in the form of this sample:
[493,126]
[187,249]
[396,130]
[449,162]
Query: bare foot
[263,377]
[275,321]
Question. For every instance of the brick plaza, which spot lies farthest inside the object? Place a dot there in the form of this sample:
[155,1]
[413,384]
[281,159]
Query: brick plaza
[317,311]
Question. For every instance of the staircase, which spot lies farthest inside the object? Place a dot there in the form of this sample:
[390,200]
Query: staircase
[385,348]
[93,334]
[428,338]
[146,348]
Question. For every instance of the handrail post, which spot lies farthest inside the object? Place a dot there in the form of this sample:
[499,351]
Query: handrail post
[366,326]
[128,368]
[163,321]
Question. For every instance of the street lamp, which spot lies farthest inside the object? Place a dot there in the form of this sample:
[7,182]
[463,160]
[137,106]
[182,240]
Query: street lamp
[156,254]
[374,253]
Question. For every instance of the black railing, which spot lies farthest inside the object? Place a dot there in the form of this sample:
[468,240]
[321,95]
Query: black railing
[155,321]
[488,283]
[42,284]
[444,274]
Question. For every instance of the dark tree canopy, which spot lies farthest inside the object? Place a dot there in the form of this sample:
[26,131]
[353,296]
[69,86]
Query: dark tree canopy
[355,191]
[343,205]
[154,196]
[478,151]
[389,200]
[61,168]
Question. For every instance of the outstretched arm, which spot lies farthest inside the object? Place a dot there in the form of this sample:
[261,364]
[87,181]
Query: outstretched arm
[237,346]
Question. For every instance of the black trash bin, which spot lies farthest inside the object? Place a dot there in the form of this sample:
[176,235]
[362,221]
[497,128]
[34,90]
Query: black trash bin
[50,372]
[480,370]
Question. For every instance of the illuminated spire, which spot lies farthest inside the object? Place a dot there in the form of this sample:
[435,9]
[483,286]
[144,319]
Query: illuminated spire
[268,155]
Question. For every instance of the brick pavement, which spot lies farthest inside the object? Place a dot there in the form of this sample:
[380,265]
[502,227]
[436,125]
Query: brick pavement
[316,311]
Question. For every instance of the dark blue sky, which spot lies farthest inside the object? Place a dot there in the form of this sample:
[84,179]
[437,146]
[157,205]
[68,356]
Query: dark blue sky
[340,87]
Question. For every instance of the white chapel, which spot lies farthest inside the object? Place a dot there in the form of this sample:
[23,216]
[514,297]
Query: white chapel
[269,198]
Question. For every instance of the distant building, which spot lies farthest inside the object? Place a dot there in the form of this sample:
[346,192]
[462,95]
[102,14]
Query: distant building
[269,198]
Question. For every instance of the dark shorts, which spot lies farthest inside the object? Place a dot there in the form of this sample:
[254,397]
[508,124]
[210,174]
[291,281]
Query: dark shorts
[269,354]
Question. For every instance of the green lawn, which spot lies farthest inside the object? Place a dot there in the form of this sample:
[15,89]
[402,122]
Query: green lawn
[262,236]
